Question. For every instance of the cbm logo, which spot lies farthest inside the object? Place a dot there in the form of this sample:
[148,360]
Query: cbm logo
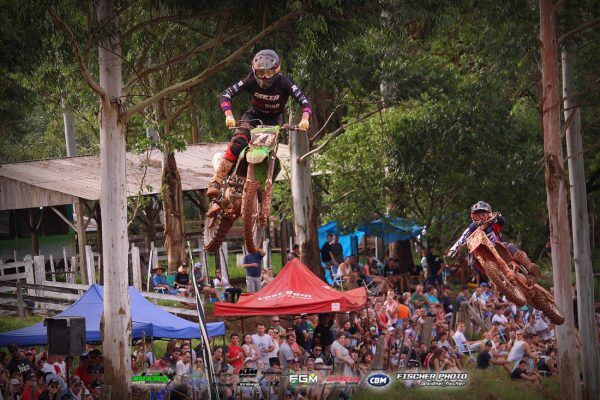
[379,380]
[304,378]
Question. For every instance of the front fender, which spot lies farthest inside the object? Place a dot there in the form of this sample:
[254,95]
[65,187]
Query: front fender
[257,155]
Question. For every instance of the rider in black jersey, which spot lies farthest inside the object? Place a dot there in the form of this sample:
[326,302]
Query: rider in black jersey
[270,91]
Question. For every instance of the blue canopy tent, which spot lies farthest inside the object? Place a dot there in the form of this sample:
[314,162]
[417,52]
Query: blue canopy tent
[392,230]
[349,242]
[147,320]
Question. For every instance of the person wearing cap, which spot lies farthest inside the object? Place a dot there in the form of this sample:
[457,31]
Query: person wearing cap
[96,389]
[52,391]
[160,282]
[77,388]
[252,263]
[18,362]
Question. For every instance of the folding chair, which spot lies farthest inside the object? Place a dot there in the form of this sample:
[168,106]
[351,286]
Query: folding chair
[333,278]
[371,287]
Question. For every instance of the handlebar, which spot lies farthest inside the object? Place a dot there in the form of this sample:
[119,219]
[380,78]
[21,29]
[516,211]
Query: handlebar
[286,127]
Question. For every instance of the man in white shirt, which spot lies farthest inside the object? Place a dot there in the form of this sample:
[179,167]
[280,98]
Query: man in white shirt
[463,345]
[263,343]
[500,317]
[518,347]
[342,361]
[221,283]
[183,365]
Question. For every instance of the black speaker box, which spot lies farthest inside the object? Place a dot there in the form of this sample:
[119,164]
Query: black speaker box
[66,335]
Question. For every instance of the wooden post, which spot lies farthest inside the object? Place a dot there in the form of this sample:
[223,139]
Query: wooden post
[267,249]
[116,341]
[40,277]
[581,232]
[136,268]
[90,265]
[74,269]
[52,270]
[29,274]
[20,302]
[223,258]
[81,241]
[556,194]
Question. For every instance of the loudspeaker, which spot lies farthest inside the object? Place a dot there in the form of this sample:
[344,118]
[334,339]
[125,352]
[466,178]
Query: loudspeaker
[66,335]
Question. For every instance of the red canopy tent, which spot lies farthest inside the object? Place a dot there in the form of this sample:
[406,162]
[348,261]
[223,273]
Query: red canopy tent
[295,290]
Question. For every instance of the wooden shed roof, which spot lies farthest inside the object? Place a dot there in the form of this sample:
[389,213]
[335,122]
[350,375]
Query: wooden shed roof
[63,180]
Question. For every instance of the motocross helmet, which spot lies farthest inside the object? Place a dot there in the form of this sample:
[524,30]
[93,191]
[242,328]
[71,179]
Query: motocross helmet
[481,211]
[265,67]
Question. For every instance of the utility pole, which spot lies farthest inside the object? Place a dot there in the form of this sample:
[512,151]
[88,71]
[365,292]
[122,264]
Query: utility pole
[556,195]
[581,231]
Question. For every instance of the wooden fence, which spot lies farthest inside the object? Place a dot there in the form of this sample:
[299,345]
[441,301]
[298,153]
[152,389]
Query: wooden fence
[27,284]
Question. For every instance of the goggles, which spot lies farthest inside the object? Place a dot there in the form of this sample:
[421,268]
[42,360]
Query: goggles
[265,73]
[481,216]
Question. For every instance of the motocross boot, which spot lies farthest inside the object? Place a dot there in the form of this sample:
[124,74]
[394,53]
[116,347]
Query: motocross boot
[214,187]
[521,257]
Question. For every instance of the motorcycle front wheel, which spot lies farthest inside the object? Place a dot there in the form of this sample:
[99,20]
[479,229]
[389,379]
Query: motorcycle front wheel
[251,216]
[504,285]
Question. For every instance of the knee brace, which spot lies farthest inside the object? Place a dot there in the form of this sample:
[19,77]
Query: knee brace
[238,142]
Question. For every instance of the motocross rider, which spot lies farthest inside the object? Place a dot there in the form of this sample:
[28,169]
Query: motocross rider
[480,212]
[270,91]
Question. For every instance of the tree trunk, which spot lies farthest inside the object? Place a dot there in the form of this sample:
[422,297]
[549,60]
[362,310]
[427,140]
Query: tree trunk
[195,120]
[305,213]
[581,232]
[70,141]
[173,208]
[113,202]
[150,228]
[556,193]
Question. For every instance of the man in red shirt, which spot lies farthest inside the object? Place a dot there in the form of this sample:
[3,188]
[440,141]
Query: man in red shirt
[81,370]
[235,356]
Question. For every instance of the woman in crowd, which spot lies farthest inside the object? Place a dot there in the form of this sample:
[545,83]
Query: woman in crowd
[250,350]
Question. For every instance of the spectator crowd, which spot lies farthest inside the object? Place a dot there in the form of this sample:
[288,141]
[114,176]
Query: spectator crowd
[426,317]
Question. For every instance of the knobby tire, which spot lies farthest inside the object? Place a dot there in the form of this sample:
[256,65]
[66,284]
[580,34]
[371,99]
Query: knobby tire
[249,208]
[507,288]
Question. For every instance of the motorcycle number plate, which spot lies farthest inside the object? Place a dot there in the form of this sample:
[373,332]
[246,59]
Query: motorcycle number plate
[263,139]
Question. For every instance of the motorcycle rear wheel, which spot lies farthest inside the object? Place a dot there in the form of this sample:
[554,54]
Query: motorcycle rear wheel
[543,301]
[507,288]
[251,216]
[215,230]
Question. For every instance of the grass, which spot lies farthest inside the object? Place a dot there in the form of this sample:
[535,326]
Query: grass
[236,272]
[9,323]
[489,384]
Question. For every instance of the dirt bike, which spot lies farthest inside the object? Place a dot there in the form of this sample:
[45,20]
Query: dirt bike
[513,280]
[247,190]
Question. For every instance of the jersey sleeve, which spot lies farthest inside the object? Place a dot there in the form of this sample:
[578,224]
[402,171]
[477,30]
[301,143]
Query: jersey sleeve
[234,90]
[297,94]
[463,238]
